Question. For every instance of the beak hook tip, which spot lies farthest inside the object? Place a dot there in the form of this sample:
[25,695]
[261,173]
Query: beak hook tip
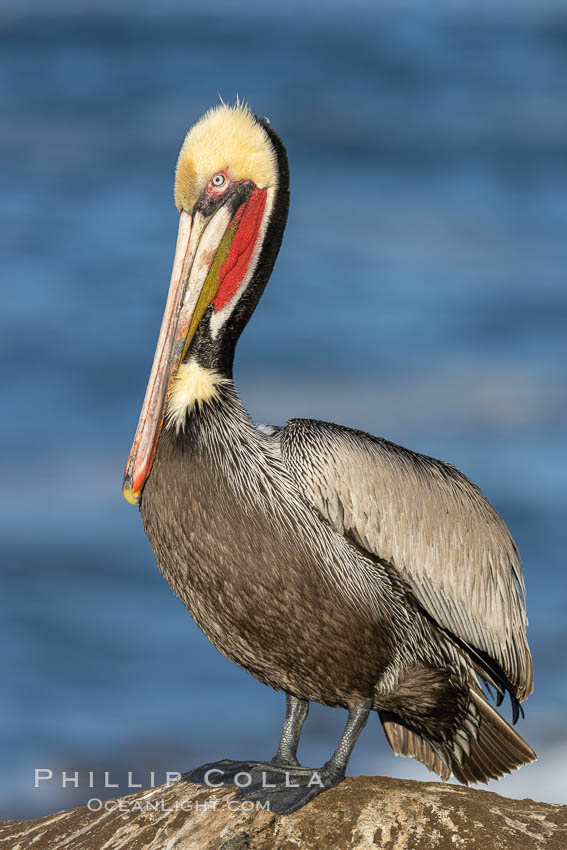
[131,495]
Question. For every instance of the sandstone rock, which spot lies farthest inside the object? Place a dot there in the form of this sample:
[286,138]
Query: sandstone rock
[361,813]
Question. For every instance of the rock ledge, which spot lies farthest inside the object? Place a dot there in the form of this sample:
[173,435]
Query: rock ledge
[360,814]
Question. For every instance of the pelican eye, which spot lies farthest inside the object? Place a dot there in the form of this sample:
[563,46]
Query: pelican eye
[218,180]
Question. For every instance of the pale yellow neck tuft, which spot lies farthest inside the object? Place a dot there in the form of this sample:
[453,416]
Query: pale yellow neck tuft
[226,137]
[192,385]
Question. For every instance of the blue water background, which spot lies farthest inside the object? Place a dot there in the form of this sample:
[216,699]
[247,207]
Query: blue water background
[419,294]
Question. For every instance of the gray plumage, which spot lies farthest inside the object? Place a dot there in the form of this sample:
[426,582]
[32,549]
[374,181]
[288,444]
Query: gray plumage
[339,568]
[428,521]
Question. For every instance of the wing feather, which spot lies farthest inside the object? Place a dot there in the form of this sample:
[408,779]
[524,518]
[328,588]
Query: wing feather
[427,520]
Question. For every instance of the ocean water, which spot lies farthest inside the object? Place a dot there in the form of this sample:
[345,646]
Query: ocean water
[419,294]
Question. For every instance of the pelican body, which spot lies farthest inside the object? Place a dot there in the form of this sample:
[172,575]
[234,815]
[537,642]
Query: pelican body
[329,563]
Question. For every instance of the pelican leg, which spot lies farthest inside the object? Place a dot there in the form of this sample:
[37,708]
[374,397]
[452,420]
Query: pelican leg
[357,718]
[228,772]
[296,712]
[286,791]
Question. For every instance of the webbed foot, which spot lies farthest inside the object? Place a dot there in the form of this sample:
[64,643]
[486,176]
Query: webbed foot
[217,774]
[285,789]
[279,788]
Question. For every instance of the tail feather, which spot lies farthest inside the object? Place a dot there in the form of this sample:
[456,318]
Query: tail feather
[497,750]
[485,748]
[404,742]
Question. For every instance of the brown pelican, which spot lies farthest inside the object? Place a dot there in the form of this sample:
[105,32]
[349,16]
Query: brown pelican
[331,564]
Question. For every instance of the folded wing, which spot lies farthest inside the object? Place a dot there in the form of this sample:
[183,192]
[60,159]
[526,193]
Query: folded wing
[428,521]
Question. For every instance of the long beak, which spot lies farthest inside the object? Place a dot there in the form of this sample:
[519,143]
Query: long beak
[202,246]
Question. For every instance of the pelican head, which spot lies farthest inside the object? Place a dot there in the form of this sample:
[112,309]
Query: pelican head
[231,190]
